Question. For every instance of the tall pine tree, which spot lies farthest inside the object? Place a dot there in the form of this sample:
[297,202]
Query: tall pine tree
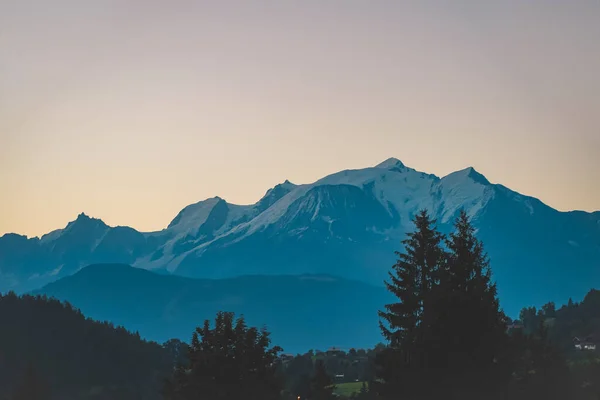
[470,327]
[405,323]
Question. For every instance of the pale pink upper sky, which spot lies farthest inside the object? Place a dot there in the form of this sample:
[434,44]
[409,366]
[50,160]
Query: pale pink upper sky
[129,110]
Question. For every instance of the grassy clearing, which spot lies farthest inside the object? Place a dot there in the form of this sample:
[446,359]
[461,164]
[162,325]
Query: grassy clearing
[346,389]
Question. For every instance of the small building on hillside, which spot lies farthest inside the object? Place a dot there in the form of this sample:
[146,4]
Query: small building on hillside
[588,343]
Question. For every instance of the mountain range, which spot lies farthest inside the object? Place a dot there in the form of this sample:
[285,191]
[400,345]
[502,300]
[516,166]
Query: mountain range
[346,225]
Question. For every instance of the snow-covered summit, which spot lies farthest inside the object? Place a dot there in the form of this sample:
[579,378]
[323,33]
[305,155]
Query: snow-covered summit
[400,190]
[466,189]
[193,215]
[468,173]
[390,163]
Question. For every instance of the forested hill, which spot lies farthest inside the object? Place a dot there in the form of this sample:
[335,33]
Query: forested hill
[50,346]
[574,319]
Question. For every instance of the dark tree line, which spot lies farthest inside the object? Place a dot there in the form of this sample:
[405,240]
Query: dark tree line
[561,327]
[50,350]
[572,320]
[228,361]
[355,365]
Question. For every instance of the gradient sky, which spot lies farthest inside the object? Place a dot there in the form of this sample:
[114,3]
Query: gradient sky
[130,110]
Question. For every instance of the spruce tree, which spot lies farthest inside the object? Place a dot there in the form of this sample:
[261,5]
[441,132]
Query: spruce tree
[470,327]
[411,281]
[405,323]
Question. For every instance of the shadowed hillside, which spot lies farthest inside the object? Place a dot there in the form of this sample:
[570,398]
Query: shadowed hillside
[303,312]
[74,357]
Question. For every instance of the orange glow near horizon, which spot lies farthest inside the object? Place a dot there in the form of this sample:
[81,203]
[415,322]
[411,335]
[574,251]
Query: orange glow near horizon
[130,110]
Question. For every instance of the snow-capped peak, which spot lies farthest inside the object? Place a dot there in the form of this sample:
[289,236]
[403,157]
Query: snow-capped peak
[194,215]
[468,173]
[390,163]
[466,189]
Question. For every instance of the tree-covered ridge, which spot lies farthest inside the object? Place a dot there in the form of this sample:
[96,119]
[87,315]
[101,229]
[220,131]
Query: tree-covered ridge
[574,330]
[74,357]
[573,320]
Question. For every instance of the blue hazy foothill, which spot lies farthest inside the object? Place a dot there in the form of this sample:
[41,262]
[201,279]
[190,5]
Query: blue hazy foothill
[302,312]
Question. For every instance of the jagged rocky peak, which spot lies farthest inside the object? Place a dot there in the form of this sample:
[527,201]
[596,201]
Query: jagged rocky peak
[83,217]
[82,226]
[274,194]
[286,186]
[83,220]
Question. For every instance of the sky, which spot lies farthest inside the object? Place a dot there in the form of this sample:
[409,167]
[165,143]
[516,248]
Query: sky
[129,110]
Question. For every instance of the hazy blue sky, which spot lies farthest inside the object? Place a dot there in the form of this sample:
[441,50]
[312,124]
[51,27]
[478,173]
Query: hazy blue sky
[130,110]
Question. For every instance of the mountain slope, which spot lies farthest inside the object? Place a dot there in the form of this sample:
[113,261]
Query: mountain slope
[27,264]
[302,312]
[347,224]
[76,357]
